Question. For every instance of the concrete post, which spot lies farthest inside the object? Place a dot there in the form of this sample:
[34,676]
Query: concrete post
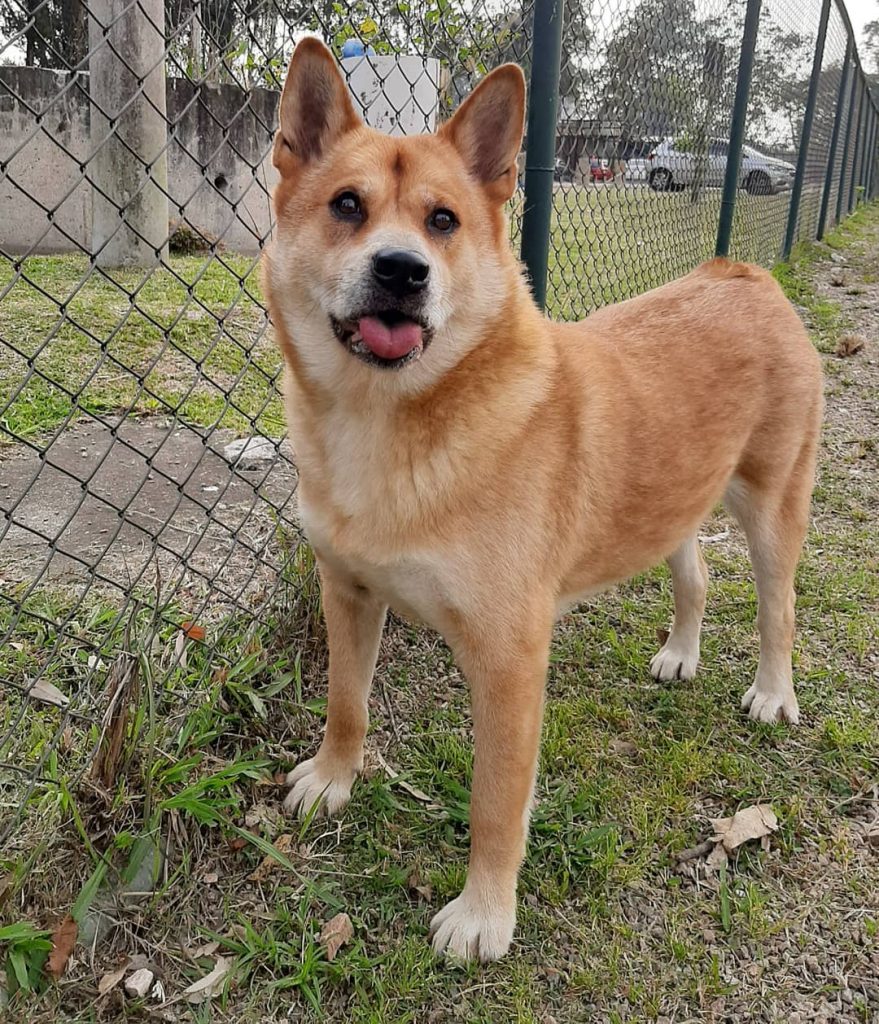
[129,168]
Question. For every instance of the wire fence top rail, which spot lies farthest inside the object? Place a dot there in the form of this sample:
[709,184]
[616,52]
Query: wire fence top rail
[146,487]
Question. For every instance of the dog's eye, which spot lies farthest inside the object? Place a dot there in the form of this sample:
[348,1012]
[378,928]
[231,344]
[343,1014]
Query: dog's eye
[442,220]
[346,205]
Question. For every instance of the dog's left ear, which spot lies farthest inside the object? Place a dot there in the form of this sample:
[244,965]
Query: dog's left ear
[316,108]
[487,130]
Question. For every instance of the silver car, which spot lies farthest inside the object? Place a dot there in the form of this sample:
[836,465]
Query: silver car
[672,164]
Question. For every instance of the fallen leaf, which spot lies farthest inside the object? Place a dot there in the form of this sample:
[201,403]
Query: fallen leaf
[211,984]
[849,344]
[416,884]
[662,636]
[208,949]
[110,980]
[180,650]
[283,844]
[748,823]
[260,813]
[694,852]
[63,941]
[211,878]
[138,984]
[335,933]
[623,747]
[193,631]
[48,694]
[237,844]
[717,858]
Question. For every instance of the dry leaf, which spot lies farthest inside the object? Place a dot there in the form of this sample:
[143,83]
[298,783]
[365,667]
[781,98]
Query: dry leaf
[623,747]
[48,694]
[211,878]
[111,980]
[211,984]
[208,949]
[416,884]
[139,983]
[394,776]
[662,636]
[237,844]
[748,823]
[717,858]
[849,344]
[180,650]
[283,844]
[335,933]
[193,631]
[63,941]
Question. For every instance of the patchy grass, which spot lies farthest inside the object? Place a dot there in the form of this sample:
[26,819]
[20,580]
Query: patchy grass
[631,772]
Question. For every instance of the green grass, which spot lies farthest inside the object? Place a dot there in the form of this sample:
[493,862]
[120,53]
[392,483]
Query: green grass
[190,340]
[631,772]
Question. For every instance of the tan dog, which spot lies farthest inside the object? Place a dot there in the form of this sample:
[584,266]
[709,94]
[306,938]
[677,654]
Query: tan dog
[480,468]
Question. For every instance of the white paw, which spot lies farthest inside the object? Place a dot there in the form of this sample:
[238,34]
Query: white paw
[774,705]
[311,783]
[470,928]
[675,660]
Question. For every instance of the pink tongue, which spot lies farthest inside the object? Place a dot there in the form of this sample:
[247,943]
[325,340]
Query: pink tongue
[389,342]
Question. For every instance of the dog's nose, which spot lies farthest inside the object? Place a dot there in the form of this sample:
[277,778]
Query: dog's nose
[399,271]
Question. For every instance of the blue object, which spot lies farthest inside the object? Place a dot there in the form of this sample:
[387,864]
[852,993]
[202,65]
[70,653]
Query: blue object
[354,48]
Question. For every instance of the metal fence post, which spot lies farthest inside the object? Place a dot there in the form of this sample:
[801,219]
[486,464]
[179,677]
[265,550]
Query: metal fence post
[737,128]
[840,194]
[834,140]
[871,159]
[129,168]
[546,50]
[793,211]
[865,151]
[852,190]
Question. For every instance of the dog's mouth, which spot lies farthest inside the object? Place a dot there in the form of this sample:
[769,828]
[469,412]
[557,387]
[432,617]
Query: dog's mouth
[389,338]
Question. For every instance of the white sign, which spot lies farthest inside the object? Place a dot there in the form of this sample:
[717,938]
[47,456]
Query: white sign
[398,95]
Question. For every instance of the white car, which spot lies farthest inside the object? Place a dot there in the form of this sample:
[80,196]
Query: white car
[673,164]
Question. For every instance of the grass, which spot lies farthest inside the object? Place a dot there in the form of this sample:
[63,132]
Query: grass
[631,772]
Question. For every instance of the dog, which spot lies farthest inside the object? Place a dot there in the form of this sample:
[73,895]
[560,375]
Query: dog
[481,469]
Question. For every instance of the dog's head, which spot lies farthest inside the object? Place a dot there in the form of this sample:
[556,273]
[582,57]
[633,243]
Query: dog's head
[391,253]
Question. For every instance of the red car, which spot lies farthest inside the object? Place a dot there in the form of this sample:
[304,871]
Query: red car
[598,170]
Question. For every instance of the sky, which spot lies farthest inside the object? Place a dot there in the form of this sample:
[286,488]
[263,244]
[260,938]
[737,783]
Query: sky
[860,12]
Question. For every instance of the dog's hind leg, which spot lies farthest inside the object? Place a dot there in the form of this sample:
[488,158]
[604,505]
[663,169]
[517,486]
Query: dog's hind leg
[775,523]
[679,655]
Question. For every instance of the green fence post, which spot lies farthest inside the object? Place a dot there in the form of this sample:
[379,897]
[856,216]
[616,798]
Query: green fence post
[852,192]
[871,160]
[737,129]
[546,51]
[793,211]
[834,140]
[869,151]
[840,193]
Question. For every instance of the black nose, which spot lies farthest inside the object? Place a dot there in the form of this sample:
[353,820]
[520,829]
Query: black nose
[400,272]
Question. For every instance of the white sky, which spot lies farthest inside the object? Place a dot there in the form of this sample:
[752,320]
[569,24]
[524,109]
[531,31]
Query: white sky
[860,12]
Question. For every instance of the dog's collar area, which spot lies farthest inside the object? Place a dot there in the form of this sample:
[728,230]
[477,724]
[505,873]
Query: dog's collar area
[348,332]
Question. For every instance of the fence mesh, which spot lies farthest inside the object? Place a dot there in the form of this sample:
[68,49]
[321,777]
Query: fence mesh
[146,488]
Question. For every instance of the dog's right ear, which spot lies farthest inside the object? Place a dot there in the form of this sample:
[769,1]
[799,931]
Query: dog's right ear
[316,108]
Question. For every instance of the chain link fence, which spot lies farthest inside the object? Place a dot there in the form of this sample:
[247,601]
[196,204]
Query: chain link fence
[149,535]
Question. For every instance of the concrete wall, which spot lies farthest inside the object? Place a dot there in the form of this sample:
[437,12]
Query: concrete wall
[220,173]
[219,161]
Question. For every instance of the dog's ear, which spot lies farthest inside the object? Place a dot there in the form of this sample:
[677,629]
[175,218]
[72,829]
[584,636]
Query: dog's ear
[487,130]
[316,108]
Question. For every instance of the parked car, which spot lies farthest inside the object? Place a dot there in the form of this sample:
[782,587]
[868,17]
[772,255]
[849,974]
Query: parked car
[673,164]
[637,169]
[599,170]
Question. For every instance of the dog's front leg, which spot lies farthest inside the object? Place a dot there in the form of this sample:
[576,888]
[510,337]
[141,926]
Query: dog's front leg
[354,619]
[507,674]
